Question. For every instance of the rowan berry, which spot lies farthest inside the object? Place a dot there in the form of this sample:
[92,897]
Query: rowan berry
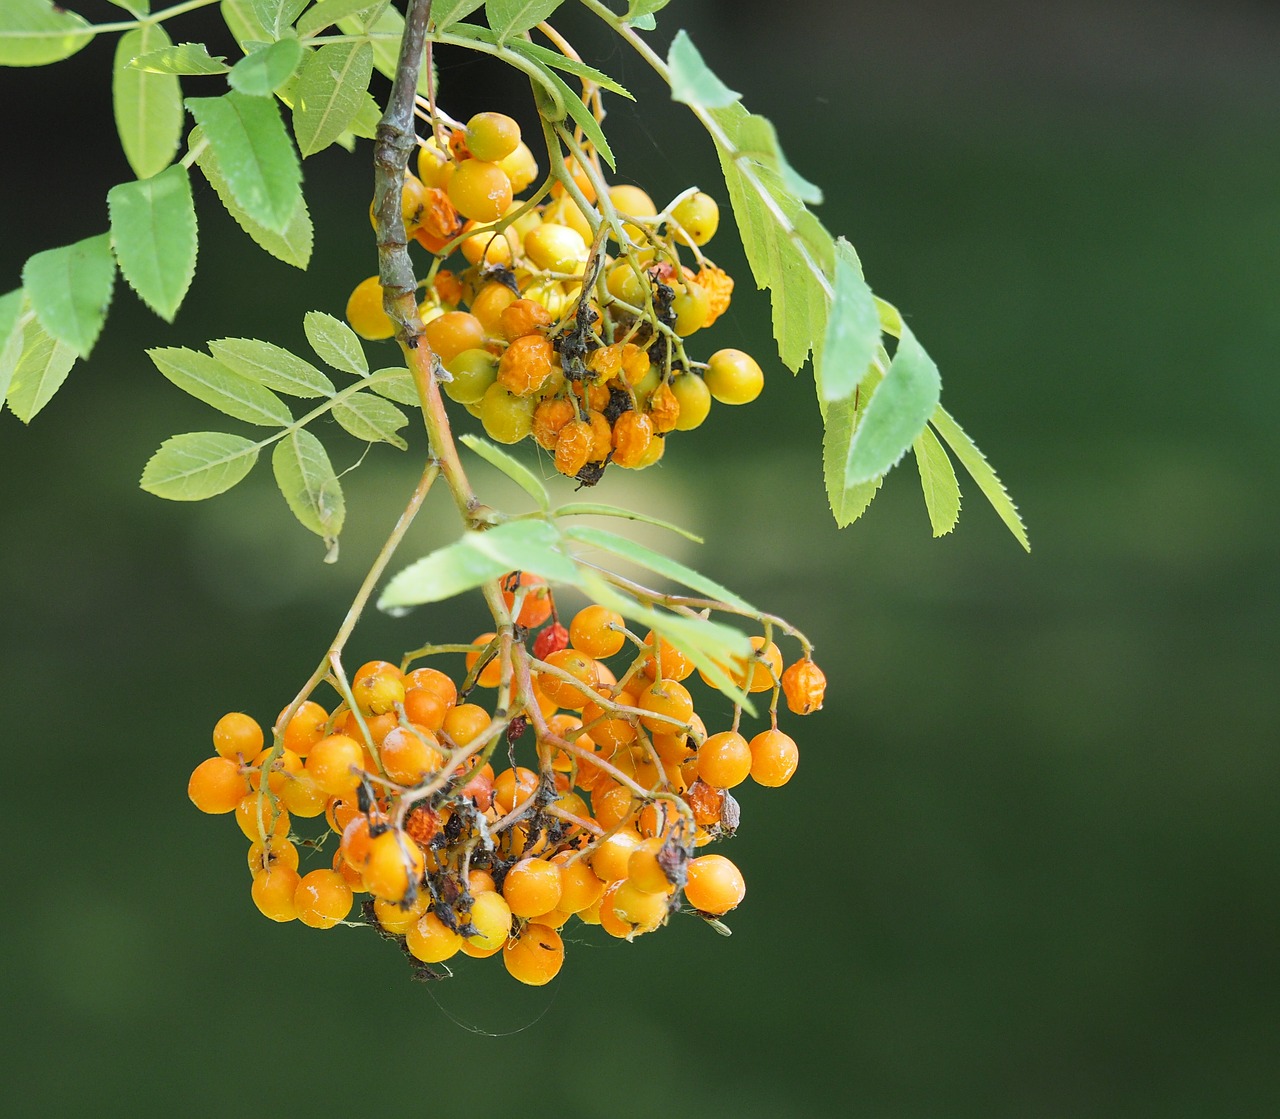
[632,434]
[669,705]
[409,755]
[714,884]
[551,640]
[507,418]
[393,865]
[645,868]
[635,363]
[430,940]
[322,898]
[670,662]
[451,333]
[411,202]
[432,162]
[609,858]
[217,785]
[377,687]
[664,408]
[549,418]
[611,806]
[733,377]
[520,167]
[626,911]
[774,757]
[535,956]
[634,203]
[597,631]
[694,398]
[698,216]
[512,787]
[365,311]
[601,436]
[305,729]
[471,373]
[492,136]
[237,735]
[537,600]
[465,723]
[691,307]
[724,759]
[424,707]
[526,362]
[532,887]
[274,890]
[480,190]
[264,857]
[490,916]
[556,248]
[257,818]
[480,881]
[303,797]
[523,317]
[579,885]
[718,285]
[489,247]
[397,918]
[285,765]
[583,671]
[334,764]
[491,674]
[624,282]
[804,685]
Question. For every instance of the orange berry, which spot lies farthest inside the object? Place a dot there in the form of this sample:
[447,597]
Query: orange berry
[512,787]
[490,916]
[522,317]
[549,418]
[465,723]
[632,434]
[217,785]
[322,898]
[774,757]
[714,884]
[724,760]
[451,333]
[278,851]
[664,409]
[393,864]
[334,764]
[537,600]
[305,729]
[274,890]
[670,701]
[573,447]
[526,364]
[480,190]
[237,734]
[532,887]
[409,755]
[627,911]
[597,631]
[610,856]
[804,684]
[254,813]
[583,671]
[491,674]
[535,956]
[430,940]
[673,663]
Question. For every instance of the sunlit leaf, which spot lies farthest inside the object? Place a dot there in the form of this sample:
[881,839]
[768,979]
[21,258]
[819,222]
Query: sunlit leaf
[329,12]
[980,470]
[938,481]
[511,467]
[557,61]
[191,59]
[254,154]
[41,369]
[329,93]
[70,289]
[395,383]
[853,330]
[478,557]
[153,232]
[293,246]
[11,308]
[370,418]
[310,487]
[263,71]
[271,366]
[37,32]
[583,117]
[147,105]
[209,380]
[692,81]
[335,343]
[199,464]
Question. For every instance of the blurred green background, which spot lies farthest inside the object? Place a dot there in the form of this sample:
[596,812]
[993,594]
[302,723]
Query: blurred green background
[1028,866]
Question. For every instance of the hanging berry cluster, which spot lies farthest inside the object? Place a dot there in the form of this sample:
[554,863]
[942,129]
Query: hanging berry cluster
[484,831]
[567,317]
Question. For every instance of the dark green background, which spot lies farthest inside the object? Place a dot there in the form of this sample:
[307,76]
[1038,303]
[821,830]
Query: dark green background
[1028,866]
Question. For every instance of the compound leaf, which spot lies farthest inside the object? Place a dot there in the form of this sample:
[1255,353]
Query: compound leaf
[263,71]
[199,464]
[147,105]
[293,246]
[511,467]
[395,383]
[191,59]
[271,366]
[980,470]
[153,232]
[329,93]
[335,343]
[511,17]
[221,388]
[558,61]
[370,418]
[37,32]
[853,330]
[254,155]
[938,481]
[41,368]
[476,558]
[310,487]
[70,290]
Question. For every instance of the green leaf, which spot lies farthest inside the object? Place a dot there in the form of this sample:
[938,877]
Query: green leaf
[335,343]
[645,23]
[478,557]
[655,561]
[896,413]
[37,32]
[389,28]
[511,17]
[692,80]
[710,645]
[70,290]
[215,384]
[133,7]
[41,369]
[853,330]
[938,481]
[271,366]
[557,61]
[890,318]
[266,69]
[848,502]
[239,17]
[511,467]
[370,418]
[293,246]
[310,487]
[638,8]
[583,117]
[199,464]
[11,308]
[185,58]
[395,383]
[153,232]
[254,155]
[328,95]
[328,12]
[277,15]
[594,509]
[148,106]
[445,12]
[980,470]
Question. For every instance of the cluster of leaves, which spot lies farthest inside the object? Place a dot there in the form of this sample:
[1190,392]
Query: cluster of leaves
[877,388]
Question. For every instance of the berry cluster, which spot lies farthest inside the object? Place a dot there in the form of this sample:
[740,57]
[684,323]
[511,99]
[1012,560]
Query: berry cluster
[624,784]
[542,330]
